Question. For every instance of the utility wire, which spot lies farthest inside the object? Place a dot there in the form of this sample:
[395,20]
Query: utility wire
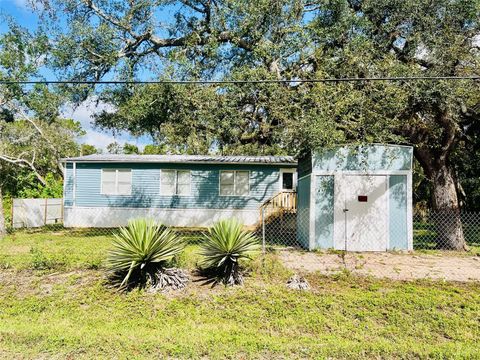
[200,82]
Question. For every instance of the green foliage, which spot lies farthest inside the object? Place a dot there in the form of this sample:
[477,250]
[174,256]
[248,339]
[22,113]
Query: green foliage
[40,261]
[180,121]
[465,159]
[7,209]
[87,149]
[269,267]
[142,248]
[225,245]
[33,136]
[53,187]
[153,150]
[130,149]
[268,39]
[114,148]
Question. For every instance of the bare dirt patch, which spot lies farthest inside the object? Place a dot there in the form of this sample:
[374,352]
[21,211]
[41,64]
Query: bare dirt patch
[36,283]
[28,282]
[386,265]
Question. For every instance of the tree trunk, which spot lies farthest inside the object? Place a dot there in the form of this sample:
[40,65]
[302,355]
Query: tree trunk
[3,229]
[447,211]
[445,202]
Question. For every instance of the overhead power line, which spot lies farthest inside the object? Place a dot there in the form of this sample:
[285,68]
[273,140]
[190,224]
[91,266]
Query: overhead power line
[201,82]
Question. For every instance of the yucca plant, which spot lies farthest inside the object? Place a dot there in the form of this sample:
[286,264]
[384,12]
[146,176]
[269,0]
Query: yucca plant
[140,253]
[225,244]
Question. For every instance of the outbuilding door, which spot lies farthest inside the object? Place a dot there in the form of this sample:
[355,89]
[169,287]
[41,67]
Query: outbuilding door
[366,213]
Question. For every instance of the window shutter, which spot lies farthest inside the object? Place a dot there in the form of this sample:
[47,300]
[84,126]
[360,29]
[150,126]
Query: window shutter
[124,184]
[167,185]
[242,183]
[227,181]
[183,182]
[109,181]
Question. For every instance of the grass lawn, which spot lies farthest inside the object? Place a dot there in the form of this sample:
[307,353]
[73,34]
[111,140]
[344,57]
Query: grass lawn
[55,303]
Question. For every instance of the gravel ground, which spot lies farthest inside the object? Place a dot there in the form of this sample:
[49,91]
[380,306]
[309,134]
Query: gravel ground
[387,265]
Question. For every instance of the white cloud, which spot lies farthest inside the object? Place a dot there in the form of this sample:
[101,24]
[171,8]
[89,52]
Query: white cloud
[100,139]
[84,114]
[26,4]
[85,111]
[23,4]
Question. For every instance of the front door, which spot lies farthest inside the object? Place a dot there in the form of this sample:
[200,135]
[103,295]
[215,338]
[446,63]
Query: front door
[366,213]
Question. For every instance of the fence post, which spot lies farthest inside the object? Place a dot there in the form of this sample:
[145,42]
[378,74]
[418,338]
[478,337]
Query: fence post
[263,231]
[45,210]
[62,211]
[12,213]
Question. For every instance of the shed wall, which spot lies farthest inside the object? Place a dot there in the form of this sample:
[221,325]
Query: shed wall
[363,158]
[303,211]
[324,210]
[68,185]
[398,224]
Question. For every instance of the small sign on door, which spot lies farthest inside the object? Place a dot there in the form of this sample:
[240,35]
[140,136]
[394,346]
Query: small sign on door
[362,198]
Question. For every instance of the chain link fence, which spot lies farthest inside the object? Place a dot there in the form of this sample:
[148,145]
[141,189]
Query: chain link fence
[444,230]
[441,231]
[445,246]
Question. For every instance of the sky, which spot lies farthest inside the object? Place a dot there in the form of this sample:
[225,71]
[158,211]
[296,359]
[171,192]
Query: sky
[19,10]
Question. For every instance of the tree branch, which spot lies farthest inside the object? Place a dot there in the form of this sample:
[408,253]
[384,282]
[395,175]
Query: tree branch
[115,22]
[47,140]
[24,163]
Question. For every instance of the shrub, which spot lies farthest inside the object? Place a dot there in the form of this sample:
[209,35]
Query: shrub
[226,243]
[141,251]
[40,261]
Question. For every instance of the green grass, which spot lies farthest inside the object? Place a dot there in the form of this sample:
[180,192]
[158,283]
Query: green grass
[62,249]
[65,310]
[59,250]
[425,235]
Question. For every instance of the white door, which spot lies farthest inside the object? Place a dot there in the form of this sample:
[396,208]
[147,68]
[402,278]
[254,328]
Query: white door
[366,213]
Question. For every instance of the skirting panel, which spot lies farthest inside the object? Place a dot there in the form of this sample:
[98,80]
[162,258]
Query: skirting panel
[114,217]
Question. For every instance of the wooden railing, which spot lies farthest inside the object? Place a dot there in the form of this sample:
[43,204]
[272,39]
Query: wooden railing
[283,202]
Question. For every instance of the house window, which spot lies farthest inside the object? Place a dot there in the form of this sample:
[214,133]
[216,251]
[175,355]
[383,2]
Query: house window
[175,182]
[288,180]
[234,183]
[116,181]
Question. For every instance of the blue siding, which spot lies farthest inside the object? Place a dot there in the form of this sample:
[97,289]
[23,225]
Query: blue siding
[303,211]
[204,184]
[68,186]
[398,212]
[324,205]
[364,158]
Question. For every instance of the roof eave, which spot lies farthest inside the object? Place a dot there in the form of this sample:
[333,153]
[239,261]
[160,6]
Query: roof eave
[179,162]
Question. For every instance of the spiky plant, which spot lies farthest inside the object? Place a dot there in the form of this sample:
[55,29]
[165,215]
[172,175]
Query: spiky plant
[225,244]
[141,251]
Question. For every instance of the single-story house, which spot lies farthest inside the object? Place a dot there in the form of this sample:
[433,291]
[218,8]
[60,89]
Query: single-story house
[178,190]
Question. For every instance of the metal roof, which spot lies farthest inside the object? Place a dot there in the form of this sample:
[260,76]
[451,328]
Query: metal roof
[188,159]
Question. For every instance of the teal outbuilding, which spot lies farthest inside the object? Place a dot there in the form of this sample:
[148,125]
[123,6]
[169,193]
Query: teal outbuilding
[356,198]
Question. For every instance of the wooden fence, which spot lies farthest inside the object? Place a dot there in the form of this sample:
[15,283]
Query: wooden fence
[36,212]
